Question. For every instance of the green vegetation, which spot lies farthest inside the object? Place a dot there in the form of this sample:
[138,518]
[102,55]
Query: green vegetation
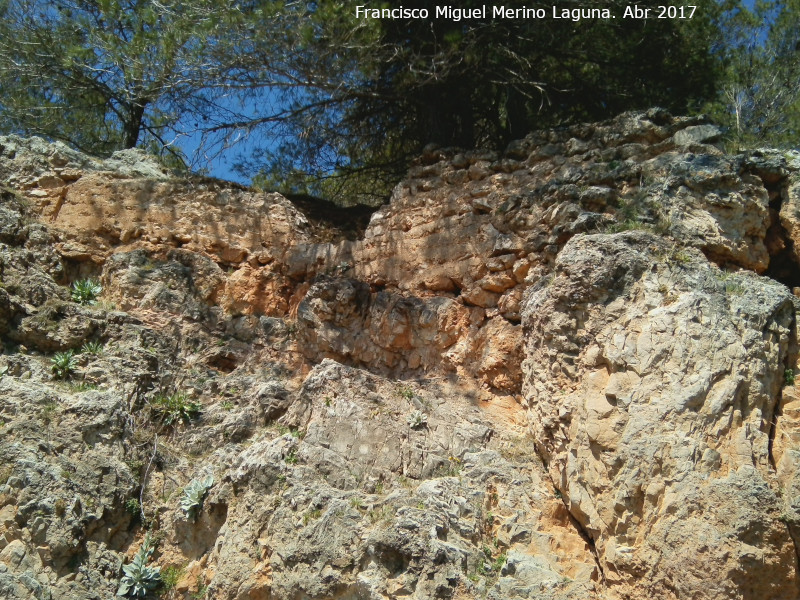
[94,348]
[86,291]
[382,514]
[109,75]
[132,507]
[487,566]
[139,579]
[758,93]
[173,408]
[193,496]
[170,576]
[311,516]
[788,377]
[417,419]
[731,285]
[63,364]
[405,391]
[291,458]
[202,589]
[82,386]
[499,562]
[451,469]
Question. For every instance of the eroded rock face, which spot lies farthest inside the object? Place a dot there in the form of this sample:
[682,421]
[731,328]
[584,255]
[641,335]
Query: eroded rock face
[557,372]
[653,385]
[323,484]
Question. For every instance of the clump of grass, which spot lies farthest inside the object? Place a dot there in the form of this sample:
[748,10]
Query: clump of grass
[170,576]
[173,408]
[311,516]
[82,386]
[405,391]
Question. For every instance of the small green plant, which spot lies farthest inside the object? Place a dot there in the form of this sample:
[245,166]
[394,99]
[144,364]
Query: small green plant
[93,347]
[174,407]
[356,502]
[139,579]
[193,496]
[86,291]
[48,411]
[788,377]
[82,386]
[498,563]
[417,419]
[405,391]
[202,589]
[291,458]
[227,405]
[681,257]
[63,364]
[734,288]
[384,514]
[311,515]
[170,576]
[132,507]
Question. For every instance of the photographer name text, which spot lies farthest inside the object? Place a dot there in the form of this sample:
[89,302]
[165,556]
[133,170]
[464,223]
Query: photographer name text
[452,13]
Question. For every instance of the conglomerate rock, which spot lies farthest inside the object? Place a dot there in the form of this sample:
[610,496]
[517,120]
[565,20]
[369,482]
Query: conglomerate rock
[564,371]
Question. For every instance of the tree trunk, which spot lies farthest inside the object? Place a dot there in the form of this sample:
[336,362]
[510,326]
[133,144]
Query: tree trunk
[134,124]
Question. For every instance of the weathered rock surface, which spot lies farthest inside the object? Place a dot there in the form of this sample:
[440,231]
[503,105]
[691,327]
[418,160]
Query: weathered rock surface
[656,433]
[558,372]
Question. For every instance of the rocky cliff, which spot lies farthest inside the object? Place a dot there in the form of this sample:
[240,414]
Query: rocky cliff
[565,371]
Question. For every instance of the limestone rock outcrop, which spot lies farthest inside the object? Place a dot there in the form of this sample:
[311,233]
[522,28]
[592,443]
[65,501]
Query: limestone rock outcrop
[657,433]
[564,371]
